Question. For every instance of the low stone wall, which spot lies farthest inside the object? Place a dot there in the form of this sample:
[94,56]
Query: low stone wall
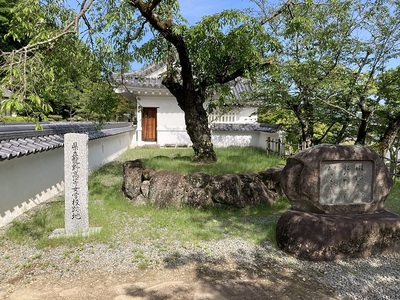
[165,188]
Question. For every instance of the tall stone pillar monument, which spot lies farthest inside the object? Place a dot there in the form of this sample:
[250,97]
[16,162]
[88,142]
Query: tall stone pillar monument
[76,183]
[76,172]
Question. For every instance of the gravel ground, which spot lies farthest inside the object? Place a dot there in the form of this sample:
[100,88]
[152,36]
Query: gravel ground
[372,278]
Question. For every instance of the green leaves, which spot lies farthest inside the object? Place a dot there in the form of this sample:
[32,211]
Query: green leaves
[225,43]
[332,53]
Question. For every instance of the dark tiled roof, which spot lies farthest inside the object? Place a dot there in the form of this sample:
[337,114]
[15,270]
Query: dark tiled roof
[143,78]
[241,86]
[22,139]
[150,69]
[245,127]
[146,82]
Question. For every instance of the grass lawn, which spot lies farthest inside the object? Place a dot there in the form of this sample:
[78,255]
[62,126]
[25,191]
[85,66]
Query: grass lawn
[393,201]
[122,221]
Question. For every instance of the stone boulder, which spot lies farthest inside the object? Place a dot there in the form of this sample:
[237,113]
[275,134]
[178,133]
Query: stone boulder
[272,180]
[319,237]
[331,179]
[198,189]
[167,188]
[133,171]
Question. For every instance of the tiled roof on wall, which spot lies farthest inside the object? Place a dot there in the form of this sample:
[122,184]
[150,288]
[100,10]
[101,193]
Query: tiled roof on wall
[146,82]
[22,139]
[264,127]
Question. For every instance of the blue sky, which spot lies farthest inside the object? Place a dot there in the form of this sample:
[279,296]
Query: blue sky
[194,10]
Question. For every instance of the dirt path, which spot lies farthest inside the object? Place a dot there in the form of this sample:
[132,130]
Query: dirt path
[185,282]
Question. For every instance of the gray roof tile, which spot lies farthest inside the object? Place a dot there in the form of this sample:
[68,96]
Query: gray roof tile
[22,139]
[263,127]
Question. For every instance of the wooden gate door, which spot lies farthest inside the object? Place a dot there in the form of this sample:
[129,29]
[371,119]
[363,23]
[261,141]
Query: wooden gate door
[149,124]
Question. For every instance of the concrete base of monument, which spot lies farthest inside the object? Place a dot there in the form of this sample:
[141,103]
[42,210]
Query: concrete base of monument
[60,232]
[318,237]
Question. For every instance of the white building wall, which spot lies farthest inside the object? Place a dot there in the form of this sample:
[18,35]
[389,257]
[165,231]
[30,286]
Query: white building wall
[171,128]
[246,115]
[235,138]
[242,115]
[30,180]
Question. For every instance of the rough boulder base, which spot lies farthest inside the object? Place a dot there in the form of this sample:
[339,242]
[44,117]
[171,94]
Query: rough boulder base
[318,237]
[166,188]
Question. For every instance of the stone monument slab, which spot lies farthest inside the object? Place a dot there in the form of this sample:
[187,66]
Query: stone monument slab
[346,182]
[336,179]
[76,182]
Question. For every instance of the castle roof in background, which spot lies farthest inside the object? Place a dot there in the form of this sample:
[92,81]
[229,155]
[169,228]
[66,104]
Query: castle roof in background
[151,77]
[17,140]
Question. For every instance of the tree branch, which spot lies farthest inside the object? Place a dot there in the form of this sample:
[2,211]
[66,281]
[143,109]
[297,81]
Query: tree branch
[164,28]
[277,12]
[71,28]
[153,4]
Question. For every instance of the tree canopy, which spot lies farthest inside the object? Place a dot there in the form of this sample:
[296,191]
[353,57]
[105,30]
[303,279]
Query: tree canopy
[332,54]
[53,73]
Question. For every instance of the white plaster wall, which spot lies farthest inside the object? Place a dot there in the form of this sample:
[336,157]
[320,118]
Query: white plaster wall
[171,128]
[245,138]
[178,137]
[247,115]
[235,138]
[104,150]
[30,180]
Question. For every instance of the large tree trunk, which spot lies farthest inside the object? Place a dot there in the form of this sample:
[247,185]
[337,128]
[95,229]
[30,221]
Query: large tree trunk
[340,136]
[196,119]
[305,125]
[200,134]
[363,127]
[390,134]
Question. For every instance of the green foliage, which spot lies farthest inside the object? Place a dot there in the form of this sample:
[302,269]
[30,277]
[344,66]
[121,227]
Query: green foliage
[61,78]
[219,46]
[228,39]
[326,73]
[6,43]
[10,119]
[392,203]
[388,85]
